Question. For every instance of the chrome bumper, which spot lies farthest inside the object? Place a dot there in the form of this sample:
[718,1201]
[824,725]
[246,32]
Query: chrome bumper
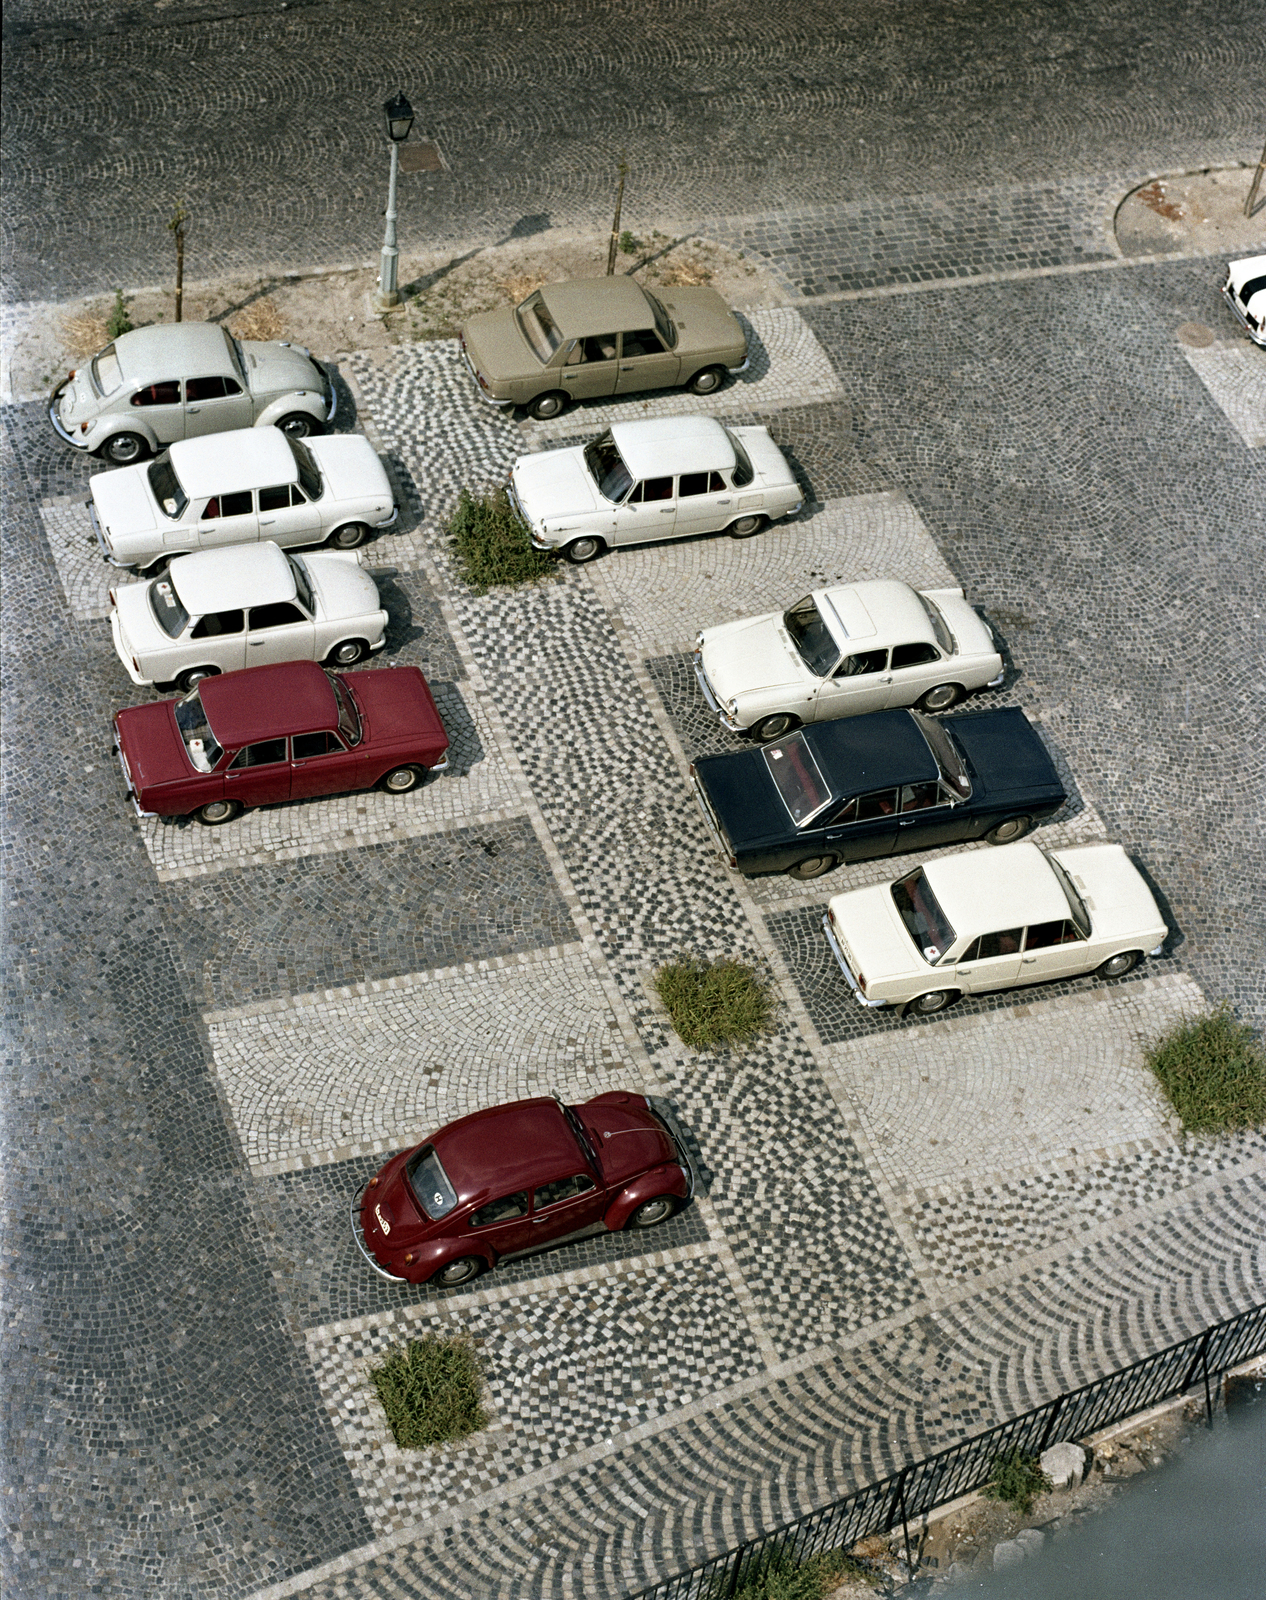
[127,781]
[124,566]
[1241,316]
[359,1240]
[849,977]
[673,1128]
[996,683]
[714,705]
[747,361]
[329,384]
[67,438]
[394,517]
[709,821]
[483,394]
[441,765]
[534,539]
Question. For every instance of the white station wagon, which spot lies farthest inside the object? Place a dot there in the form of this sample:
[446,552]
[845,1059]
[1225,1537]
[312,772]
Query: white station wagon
[245,606]
[843,651]
[659,478]
[993,919]
[237,488]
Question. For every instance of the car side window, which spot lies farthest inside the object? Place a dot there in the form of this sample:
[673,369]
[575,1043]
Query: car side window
[503,1210]
[276,615]
[1042,935]
[600,347]
[227,505]
[550,1194]
[209,388]
[276,499]
[716,483]
[645,342]
[303,746]
[919,796]
[846,813]
[1006,943]
[880,803]
[653,489]
[691,483]
[216,623]
[574,353]
[262,754]
[857,666]
[913,655]
[158,394]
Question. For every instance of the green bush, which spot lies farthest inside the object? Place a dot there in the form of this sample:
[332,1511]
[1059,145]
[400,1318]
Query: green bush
[629,243]
[719,1002]
[1213,1072]
[491,544]
[430,1391]
[777,1575]
[118,321]
[1018,1479]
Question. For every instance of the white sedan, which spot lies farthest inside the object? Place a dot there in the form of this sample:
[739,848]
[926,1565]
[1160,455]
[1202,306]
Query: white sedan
[993,919]
[237,488]
[843,651]
[246,606]
[661,478]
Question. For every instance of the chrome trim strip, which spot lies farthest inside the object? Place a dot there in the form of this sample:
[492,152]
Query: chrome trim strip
[1258,338]
[709,820]
[359,1242]
[673,1129]
[101,543]
[709,696]
[871,1005]
[483,394]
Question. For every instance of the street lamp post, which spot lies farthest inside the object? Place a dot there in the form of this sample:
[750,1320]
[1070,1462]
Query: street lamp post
[399,114]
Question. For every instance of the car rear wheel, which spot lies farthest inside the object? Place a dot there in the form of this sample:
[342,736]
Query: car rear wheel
[929,1004]
[1009,831]
[460,1271]
[348,653]
[652,1212]
[706,382]
[773,727]
[811,867]
[348,537]
[941,698]
[298,425]
[746,527]
[401,779]
[124,448]
[1117,966]
[192,675]
[582,550]
[549,405]
[217,812]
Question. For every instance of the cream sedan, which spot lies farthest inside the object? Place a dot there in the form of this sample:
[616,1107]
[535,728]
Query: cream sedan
[993,919]
[247,606]
[843,651]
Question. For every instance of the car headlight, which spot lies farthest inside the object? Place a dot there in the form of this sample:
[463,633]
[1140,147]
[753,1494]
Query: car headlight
[732,707]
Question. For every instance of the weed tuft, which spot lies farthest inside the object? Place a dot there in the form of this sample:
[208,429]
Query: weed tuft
[118,321]
[630,244]
[491,544]
[710,1003]
[777,1574]
[1018,1479]
[1213,1072]
[429,1390]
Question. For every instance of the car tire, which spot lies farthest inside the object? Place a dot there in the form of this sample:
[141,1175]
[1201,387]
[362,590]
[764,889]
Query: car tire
[217,812]
[1009,830]
[349,537]
[775,726]
[402,780]
[747,527]
[587,549]
[1118,965]
[812,867]
[453,1273]
[124,448]
[708,381]
[298,425]
[940,698]
[347,653]
[652,1212]
[185,680]
[927,1005]
[548,406]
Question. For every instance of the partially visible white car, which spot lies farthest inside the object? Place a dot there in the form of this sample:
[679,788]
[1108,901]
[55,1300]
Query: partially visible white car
[993,919]
[1245,293]
[843,651]
[237,488]
[245,606]
[659,478]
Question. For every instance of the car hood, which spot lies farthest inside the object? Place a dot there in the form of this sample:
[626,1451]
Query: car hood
[350,467]
[746,657]
[629,1139]
[497,347]
[971,635]
[343,587]
[704,322]
[766,457]
[867,921]
[153,748]
[1005,752]
[272,367]
[743,796]
[123,501]
[77,398]
[554,483]
[1120,904]
[397,704]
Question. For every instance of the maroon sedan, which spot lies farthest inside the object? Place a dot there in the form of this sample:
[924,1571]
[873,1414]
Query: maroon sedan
[284,732]
[515,1177]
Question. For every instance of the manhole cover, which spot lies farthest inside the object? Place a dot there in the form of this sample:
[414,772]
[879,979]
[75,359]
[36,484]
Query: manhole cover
[1196,335]
[421,156]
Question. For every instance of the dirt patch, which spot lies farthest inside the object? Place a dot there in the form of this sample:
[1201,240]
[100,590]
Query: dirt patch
[1191,211]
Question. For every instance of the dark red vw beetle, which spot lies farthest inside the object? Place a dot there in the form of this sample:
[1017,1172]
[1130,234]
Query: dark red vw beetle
[515,1177]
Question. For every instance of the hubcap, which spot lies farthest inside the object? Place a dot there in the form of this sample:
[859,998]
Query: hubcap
[296,427]
[584,548]
[216,811]
[124,450]
[549,408]
[706,383]
[939,698]
[400,781]
[1009,830]
[346,654]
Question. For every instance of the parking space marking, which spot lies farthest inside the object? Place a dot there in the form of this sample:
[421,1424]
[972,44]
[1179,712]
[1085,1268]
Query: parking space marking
[1234,373]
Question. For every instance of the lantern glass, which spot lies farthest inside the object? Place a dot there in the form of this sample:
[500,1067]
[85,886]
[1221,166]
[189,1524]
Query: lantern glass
[399,114]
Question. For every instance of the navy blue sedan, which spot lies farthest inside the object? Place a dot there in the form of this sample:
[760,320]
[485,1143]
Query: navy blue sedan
[877,785]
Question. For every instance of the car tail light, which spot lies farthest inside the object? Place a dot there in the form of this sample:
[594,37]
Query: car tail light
[861,981]
[483,382]
[113,600]
[831,915]
[69,376]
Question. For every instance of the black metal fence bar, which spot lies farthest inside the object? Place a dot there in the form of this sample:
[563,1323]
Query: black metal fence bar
[921,1486]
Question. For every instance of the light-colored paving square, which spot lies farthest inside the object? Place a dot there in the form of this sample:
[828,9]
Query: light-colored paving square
[1234,373]
[86,576]
[328,1076]
[665,593]
[994,1093]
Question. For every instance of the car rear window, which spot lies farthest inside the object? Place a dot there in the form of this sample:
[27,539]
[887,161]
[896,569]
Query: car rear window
[743,472]
[204,748]
[663,321]
[165,486]
[929,928]
[798,778]
[169,614]
[430,1183]
[939,625]
[945,751]
[309,472]
[539,327]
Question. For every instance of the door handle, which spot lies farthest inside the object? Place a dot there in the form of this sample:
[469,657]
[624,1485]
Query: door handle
[1029,960]
[193,410]
[255,643]
[298,763]
[964,972]
[626,369]
[667,511]
[885,680]
[724,502]
[267,522]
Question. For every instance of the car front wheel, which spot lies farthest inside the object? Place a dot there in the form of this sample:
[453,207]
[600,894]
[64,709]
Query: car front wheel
[1009,831]
[347,654]
[929,1004]
[1117,966]
[217,812]
[192,675]
[651,1212]
[298,425]
[773,727]
[462,1270]
[124,448]
[401,779]
[746,527]
[706,382]
[348,537]
[549,405]
[811,867]
[582,550]
[941,698]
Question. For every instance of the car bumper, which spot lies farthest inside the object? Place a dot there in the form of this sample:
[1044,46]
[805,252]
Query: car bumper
[849,976]
[714,705]
[746,362]
[1257,335]
[358,1238]
[709,820]
[80,443]
[441,765]
[124,566]
[534,538]
[996,683]
[480,390]
[673,1128]
[394,517]
[127,780]
[330,392]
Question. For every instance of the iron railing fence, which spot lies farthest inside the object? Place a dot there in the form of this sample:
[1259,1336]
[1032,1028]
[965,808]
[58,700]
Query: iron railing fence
[921,1486]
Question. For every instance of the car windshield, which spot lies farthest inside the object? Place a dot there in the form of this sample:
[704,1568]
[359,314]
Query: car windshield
[203,746]
[663,321]
[169,614]
[107,374]
[238,356]
[348,712]
[798,778]
[303,584]
[811,637]
[1076,905]
[928,926]
[607,469]
[165,486]
[430,1183]
[944,748]
[309,472]
[939,625]
[743,472]
[582,1138]
[539,327]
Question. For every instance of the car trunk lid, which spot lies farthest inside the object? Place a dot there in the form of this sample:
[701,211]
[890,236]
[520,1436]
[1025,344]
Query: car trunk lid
[123,501]
[398,705]
[152,746]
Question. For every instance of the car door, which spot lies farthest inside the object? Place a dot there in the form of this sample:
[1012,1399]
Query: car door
[213,405]
[913,669]
[866,827]
[859,683]
[287,517]
[565,1206]
[259,774]
[279,631]
[590,366]
[704,503]
[503,1224]
[161,407]
[1054,950]
[928,817]
[649,511]
[320,764]
[991,962]
[645,363]
[218,639]
[227,519]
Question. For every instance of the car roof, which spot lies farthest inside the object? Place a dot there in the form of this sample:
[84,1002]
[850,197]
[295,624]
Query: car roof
[660,447]
[238,575]
[878,611]
[858,754]
[597,305]
[506,1148]
[244,458]
[174,350]
[985,891]
[268,702]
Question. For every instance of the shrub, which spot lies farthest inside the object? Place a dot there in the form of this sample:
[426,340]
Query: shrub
[776,1574]
[430,1391]
[118,321]
[629,243]
[719,1002]
[1213,1072]
[1018,1479]
[491,544]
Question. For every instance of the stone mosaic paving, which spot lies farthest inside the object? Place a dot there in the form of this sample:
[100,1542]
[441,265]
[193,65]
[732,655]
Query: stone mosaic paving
[1234,373]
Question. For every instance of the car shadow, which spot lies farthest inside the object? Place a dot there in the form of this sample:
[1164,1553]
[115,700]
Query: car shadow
[1175,938]
[346,416]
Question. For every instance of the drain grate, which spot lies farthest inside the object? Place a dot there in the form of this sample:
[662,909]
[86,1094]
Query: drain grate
[421,156]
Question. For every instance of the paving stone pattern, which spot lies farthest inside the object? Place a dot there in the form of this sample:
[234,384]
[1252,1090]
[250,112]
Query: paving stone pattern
[1234,373]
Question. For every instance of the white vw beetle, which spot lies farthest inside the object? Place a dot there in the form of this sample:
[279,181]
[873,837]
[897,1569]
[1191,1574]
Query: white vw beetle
[993,919]
[842,651]
[660,478]
[237,488]
[245,606]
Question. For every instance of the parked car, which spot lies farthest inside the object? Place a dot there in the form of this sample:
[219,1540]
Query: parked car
[179,380]
[515,1177]
[246,605]
[277,733]
[601,336]
[876,786]
[1245,293]
[841,651]
[993,919]
[237,488]
[661,478]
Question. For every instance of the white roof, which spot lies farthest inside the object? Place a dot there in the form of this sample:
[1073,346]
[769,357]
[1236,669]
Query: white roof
[662,447]
[1240,272]
[228,579]
[987,891]
[245,458]
[882,611]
